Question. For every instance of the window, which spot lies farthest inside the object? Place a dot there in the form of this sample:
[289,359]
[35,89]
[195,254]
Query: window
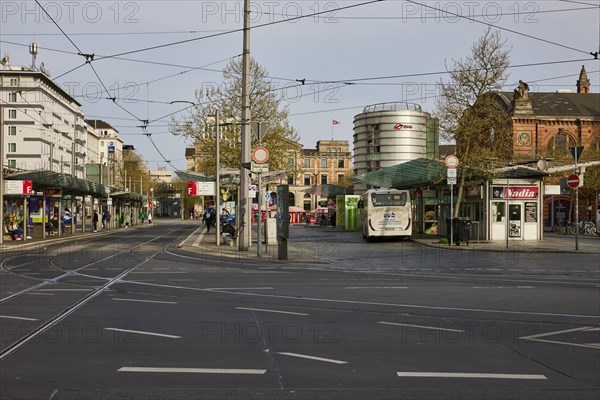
[340,178]
[323,179]
[13,82]
[290,180]
[559,144]
[290,162]
[307,179]
[323,163]
[12,163]
[12,147]
[12,114]
[307,163]
[12,130]
[341,164]
[12,97]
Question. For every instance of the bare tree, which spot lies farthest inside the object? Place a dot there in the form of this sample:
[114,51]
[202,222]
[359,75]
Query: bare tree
[266,105]
[468,115]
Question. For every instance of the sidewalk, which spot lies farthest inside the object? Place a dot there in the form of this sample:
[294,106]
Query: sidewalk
[552,243]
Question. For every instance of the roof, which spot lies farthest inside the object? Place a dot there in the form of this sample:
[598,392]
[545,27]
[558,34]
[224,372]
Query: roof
[425,172]
[68,183]
[574,105]
[99,124]
[329,191]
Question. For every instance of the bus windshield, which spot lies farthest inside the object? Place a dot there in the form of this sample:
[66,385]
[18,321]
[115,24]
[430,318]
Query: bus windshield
[388,199]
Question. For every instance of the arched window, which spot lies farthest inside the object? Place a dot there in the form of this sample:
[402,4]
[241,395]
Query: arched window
[595,145]
[558,145]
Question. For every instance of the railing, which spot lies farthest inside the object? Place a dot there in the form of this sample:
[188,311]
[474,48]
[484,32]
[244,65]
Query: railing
[394,106]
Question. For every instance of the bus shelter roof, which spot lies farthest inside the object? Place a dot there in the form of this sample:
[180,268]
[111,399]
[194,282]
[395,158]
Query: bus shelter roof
[329,191]
[425,172]
[68,183]
[129,196]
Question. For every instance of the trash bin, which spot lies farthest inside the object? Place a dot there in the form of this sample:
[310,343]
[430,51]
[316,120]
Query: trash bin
[464,229]
[461,230]
[455,231]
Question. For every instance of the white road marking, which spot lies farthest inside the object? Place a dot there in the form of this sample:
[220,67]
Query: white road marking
[329,360]
[264,272]
[343,301]
[64,290]
[39,294]
[144,333]
[536,338]
[271,311]
[158,272]
[240,288]
[468,375]
[434,328]
[194,370]
[376,287]
[503,287]
[20,318]
[592,330]
[199,239]
[145,301]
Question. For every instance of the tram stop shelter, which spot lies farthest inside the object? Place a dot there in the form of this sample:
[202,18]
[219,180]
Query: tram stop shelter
[52,193]
[501,203]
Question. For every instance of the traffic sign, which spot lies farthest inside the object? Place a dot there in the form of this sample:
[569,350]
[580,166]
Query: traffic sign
[452,173]
[451,161]
[259,168]
[573,181]
[451,180]
[260,155]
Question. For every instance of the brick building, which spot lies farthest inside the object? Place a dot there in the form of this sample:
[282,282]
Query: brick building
[547,124]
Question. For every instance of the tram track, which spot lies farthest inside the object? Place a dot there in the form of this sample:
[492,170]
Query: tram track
[95,291]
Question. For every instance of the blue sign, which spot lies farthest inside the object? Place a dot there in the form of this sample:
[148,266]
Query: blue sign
[268,196]
[111,147]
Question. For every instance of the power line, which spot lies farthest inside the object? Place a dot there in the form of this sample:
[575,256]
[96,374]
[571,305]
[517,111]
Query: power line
[237,30]
[498,27]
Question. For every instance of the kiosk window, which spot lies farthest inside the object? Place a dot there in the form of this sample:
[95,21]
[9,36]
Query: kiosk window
[530,212]
[498,211]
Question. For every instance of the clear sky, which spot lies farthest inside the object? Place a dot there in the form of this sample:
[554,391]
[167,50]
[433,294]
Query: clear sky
[354,54]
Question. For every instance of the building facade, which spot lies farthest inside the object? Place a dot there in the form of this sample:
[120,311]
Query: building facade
[42,125]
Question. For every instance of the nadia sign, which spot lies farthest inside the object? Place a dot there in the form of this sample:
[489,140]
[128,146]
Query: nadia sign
[515,192]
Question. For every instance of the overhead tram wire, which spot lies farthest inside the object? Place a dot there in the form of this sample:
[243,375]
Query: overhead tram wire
[499,27]
[580,2]
[160,46]
[89,58]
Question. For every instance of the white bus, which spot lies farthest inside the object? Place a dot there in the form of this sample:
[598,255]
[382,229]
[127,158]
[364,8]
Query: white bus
[386,213]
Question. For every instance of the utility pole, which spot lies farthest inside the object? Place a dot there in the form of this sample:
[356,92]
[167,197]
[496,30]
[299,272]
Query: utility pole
[218,188]
[1,174]
[245,229]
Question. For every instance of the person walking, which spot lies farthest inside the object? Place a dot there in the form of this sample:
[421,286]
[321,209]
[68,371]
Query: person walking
[150,218]
[210,220]
[95,221]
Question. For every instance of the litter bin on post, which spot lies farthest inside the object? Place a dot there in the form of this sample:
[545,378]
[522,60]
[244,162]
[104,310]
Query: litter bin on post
[464,228]
[455,231]
[461,230]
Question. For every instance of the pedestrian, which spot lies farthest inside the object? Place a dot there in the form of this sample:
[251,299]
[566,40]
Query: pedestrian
[142,216]
[104,220]
[150,218]
[127,220]
[228,233]
[210,220]
[95,221]
[108,219]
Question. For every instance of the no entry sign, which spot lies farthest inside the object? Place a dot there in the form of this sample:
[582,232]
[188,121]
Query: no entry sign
[573,181]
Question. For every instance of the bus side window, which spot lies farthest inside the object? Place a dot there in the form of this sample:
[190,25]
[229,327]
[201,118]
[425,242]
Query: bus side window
[361,204]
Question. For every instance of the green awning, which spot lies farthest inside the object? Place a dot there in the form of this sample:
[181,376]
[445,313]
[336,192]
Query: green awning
[329,191]
[42,179]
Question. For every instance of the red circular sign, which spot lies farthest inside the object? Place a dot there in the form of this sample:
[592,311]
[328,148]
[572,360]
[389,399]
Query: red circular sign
[260,155]
[398,126]
[573,181]
[451,161]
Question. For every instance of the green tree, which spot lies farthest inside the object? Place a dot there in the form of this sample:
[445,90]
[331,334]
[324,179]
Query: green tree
[266,106]
[467,112]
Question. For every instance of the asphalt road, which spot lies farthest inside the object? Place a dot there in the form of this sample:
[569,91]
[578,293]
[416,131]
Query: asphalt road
[131,315]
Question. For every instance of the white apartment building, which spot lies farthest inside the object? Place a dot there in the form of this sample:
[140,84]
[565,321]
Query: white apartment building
[161,175]
[41,125]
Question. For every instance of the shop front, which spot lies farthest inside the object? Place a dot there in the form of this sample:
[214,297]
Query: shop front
[515,209]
